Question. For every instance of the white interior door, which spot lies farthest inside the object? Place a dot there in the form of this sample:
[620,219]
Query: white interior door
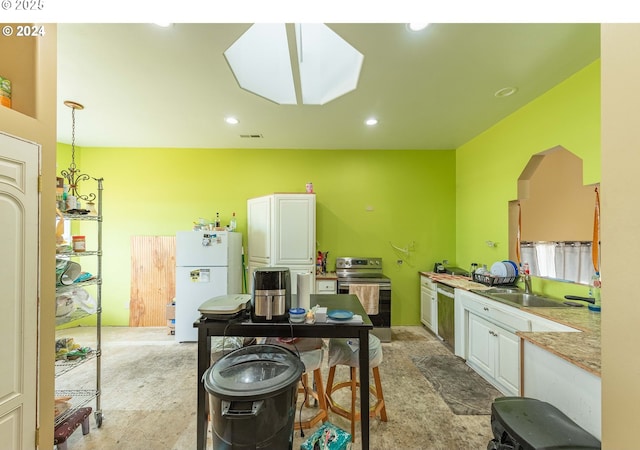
[19,170]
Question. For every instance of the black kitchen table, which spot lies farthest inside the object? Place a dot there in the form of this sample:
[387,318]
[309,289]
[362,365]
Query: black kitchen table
[208,328]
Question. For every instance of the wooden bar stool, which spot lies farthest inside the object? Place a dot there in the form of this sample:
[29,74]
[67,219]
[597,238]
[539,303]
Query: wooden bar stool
[345,352]
[311,353]
[312,360]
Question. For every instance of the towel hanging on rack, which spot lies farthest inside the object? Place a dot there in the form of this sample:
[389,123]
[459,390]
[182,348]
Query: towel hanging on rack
[369,296]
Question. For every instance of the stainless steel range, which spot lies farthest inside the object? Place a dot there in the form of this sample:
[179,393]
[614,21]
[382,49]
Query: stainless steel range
[365,270]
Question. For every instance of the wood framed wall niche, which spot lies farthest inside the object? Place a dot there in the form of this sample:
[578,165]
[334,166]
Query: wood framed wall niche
[153,279]
[555,205]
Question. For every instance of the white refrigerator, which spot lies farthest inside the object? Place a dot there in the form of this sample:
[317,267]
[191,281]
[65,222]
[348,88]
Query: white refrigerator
[208,264]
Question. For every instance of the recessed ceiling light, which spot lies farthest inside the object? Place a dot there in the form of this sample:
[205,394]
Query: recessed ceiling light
[371,122]
[231,120]
[417,26]
[506,92]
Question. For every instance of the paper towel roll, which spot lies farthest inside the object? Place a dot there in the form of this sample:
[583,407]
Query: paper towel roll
[304,290]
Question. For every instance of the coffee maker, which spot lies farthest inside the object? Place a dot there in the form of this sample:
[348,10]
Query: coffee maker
[271,298]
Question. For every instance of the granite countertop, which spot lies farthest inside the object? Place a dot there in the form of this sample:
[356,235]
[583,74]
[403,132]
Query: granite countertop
[581,348]
[456,281]
[327,276]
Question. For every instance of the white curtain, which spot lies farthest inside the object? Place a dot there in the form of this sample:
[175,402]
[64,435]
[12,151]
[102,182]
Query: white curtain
[567,261]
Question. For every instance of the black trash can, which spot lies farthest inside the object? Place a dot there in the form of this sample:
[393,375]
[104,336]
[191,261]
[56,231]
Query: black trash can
[252,397]
[521,423]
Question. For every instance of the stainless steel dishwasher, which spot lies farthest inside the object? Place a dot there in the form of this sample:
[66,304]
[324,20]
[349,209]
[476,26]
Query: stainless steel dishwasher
[446,328]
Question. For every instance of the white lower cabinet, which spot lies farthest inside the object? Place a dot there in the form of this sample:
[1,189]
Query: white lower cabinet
[486,339]
[429,304]
[494,353]
[480,351]
[326,286]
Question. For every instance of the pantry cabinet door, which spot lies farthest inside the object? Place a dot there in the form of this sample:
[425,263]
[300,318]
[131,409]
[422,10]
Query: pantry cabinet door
[19,169]
[259,230]
[295,229]
[481,346]
[507,371]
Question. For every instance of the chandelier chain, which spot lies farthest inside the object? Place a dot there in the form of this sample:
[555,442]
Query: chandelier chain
[73,138]
[73,174]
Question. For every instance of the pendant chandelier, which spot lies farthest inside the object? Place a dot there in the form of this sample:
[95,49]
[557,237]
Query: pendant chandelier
[72,175]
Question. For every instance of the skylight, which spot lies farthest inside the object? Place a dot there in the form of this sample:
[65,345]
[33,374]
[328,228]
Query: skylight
[325,65]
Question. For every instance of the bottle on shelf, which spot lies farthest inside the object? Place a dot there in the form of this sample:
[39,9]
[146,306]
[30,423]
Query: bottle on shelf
[233,223]
[71,202]
[78,243]
[472,270]
[217,222]
[594,292]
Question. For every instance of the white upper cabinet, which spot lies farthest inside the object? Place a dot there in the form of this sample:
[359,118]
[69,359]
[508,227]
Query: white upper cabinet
[259,228]
[282,229]
[294,226]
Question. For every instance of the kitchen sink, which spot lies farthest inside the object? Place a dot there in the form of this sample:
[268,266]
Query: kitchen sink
[520,298]
[503,290]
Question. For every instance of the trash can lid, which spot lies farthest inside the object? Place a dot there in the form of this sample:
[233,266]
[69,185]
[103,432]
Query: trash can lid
[253,373]
[536,424]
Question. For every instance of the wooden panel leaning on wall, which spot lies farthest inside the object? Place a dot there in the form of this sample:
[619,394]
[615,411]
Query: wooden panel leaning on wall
[153,266]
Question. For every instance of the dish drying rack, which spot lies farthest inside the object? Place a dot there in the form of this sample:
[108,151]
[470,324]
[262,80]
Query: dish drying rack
[489,279]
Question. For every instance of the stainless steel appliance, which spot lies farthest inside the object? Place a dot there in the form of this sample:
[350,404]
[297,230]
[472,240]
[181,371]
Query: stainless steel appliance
[353,270]
[271,297]
[446,321]
[451,270]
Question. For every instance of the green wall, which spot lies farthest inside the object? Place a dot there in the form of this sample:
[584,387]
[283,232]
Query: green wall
[149,191]
[440,204]
[488,167]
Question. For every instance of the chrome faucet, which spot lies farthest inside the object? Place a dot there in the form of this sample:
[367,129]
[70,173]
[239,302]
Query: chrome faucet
[526,278]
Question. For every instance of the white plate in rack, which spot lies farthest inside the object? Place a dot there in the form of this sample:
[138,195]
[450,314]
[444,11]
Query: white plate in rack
[512,268]
[499,269]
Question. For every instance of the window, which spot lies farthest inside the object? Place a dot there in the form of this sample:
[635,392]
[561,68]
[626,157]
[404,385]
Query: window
[566,261]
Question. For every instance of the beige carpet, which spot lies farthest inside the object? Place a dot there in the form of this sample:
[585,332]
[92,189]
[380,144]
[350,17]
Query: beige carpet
[149,396]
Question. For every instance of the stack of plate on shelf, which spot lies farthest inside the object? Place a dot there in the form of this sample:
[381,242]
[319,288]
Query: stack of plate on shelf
[504,269]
